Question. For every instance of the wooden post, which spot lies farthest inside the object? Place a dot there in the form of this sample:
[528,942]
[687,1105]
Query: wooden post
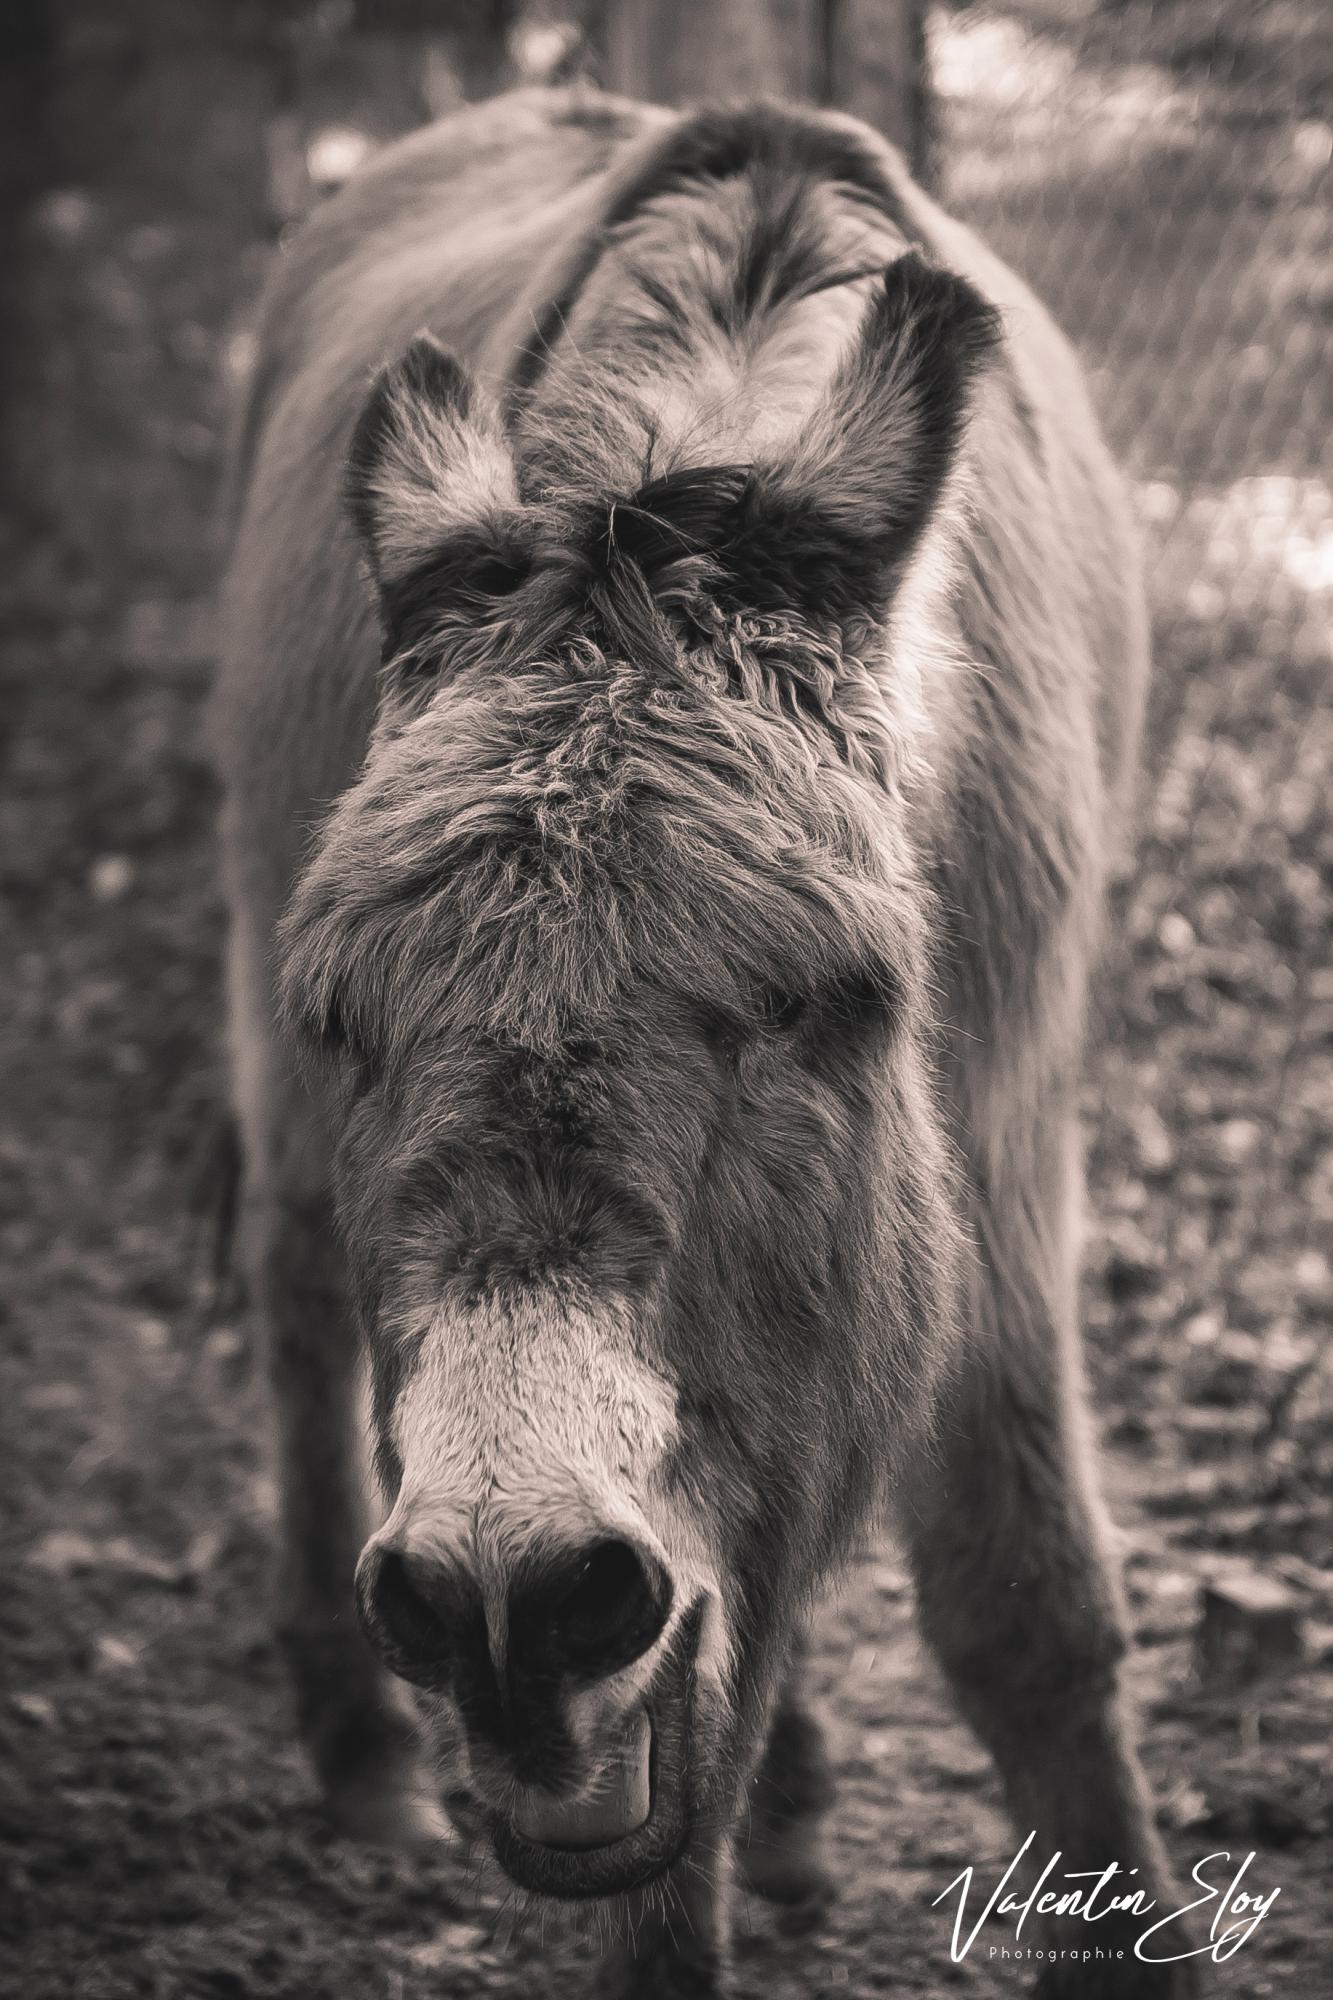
[678,51]
[863,56]
[30,163]
[473,33]
[875,66]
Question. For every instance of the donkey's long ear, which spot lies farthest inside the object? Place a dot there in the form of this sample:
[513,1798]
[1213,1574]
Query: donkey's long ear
[862,479]
[428,458]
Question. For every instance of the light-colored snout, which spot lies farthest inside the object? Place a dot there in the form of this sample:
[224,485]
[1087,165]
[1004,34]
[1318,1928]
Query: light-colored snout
[536,1565]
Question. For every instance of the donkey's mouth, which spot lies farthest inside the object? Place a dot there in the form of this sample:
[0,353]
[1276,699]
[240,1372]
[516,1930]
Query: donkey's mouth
[628,1834]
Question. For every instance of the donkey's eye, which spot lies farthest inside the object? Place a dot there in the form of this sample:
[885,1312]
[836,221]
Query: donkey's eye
[460,584]
[496,576]
[857,1002]
[336,1036]
[783,1011]
[864,999]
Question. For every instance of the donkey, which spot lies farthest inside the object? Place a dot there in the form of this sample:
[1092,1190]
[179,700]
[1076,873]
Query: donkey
[675,718]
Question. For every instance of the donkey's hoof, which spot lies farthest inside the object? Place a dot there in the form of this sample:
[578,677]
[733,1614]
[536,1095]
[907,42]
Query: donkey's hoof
[788,1866]
[376,1791]
[662,1975]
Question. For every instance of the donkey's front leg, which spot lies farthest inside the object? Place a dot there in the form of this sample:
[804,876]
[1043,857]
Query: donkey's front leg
[1016,1594]
[359,1738]
[780,1835]
[355,1726]
[674,1939]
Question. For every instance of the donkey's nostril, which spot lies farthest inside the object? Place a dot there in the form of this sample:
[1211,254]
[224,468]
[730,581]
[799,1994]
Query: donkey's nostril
[611,1607]
[410,1615]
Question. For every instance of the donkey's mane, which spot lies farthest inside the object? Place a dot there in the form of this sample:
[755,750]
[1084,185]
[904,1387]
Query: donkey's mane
[705,246]
[785,154]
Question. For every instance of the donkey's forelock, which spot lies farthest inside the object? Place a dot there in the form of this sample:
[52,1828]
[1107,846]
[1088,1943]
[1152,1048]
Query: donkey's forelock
[511,864]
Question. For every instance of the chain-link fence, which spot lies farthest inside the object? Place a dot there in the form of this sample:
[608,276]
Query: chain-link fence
[1162,172]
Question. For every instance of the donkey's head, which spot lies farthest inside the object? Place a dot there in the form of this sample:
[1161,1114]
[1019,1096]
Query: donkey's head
[618,950]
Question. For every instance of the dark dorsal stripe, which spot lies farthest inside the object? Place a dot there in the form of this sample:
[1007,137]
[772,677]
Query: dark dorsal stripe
[715,143]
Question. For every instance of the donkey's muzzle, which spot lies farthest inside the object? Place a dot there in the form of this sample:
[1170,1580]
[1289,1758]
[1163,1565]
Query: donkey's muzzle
[580,1799]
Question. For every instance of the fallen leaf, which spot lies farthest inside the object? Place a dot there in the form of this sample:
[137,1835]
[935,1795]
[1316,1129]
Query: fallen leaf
[1183,1807]
[37,1708]
[111,877]
[62,1552]
[113,1655]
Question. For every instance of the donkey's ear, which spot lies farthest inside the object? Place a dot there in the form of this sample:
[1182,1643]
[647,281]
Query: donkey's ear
[428,457]
[865,474]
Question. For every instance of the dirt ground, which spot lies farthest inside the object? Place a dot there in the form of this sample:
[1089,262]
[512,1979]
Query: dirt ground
[158,1832]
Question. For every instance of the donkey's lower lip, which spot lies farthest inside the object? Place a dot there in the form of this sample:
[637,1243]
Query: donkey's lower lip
[631,1859]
